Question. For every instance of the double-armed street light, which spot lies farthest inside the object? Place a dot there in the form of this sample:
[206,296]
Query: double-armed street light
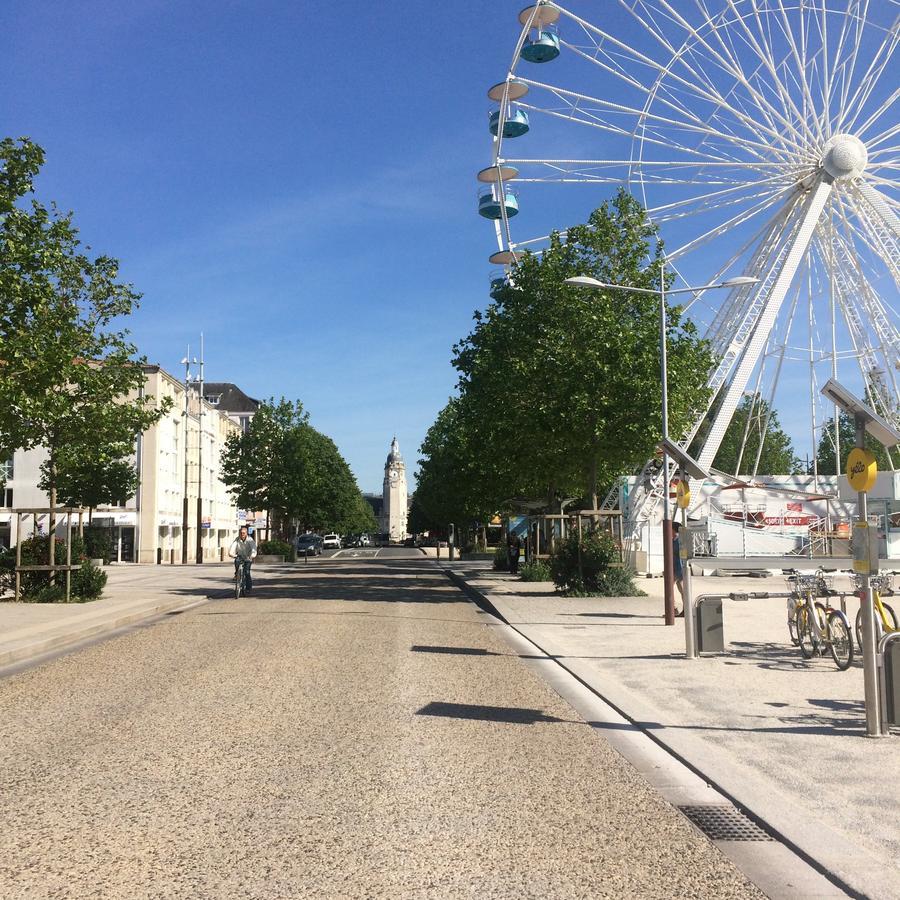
[586,281]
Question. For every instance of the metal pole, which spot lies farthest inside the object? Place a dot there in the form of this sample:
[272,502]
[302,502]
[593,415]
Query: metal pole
[870,665]
[668,567]
[687,599]
[184,505]
[200,465]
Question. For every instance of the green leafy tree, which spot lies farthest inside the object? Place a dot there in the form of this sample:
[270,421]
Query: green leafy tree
[825,455]
[285,466]
[458,480]
[559,387]
[92,481]
[753,421]
[69,377]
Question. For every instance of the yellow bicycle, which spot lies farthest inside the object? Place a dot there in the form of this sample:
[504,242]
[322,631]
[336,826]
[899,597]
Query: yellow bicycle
[815,626]
[885,617]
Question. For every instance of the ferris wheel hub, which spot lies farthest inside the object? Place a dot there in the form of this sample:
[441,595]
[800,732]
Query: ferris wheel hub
[845,156]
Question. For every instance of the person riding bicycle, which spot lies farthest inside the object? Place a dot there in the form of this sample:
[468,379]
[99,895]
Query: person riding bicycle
[243,552]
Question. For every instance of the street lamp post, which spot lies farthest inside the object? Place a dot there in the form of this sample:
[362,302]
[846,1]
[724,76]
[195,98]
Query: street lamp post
[186,362]
[588,282]
[200,463]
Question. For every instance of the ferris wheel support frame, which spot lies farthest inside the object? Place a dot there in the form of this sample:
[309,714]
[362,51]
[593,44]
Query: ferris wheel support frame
[815,204]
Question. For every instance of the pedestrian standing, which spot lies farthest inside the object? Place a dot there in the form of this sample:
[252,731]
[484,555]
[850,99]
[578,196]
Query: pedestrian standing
[677,568]
[513,551]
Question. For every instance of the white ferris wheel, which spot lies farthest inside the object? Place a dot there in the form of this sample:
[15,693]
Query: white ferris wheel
[763,137]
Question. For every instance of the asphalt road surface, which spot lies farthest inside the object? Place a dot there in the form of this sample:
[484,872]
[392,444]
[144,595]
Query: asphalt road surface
[356,728]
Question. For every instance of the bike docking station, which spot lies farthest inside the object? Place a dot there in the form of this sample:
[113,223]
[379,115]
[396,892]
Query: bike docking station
[881,659]
[704,630]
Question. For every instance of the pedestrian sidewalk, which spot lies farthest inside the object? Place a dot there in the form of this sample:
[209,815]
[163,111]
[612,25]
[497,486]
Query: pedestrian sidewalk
[784,737]
[132,594]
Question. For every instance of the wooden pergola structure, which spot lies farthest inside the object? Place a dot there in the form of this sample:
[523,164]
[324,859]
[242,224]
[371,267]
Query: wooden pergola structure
[52,566]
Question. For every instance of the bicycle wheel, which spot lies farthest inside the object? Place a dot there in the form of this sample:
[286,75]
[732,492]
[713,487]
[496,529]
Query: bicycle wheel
[238,582]
[793,631]
[879,627]
[839,641]
[807,637]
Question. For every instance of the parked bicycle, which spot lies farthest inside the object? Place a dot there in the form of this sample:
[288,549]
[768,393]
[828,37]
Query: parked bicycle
[885,617]
[815,626]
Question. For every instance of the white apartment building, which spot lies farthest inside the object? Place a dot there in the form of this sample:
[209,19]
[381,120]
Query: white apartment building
[173,458]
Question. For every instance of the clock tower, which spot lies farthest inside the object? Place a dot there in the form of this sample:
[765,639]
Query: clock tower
[394,494]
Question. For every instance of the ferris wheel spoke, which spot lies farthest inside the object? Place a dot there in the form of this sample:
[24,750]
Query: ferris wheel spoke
[728,62]
[766,56]
[888,134]
[699,129]
[874,117]
[802,66]
[734,222]
[706,92]
[763,188]
[856,102]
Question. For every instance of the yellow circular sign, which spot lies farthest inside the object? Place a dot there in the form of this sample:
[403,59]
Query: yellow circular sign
[861,469]
[683,495]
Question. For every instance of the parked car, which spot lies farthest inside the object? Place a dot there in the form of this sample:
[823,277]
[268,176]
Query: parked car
[309,545]
[331,541]
[365,541]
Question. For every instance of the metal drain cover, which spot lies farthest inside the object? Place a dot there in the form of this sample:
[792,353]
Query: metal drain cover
[723,822]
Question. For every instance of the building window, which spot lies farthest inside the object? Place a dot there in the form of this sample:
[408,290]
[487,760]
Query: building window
[213,399]
[245,424]
[6,471]
[8,498]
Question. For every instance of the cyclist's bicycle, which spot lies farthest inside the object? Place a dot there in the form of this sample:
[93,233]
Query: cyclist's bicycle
[815,626]
[885,617]
[240,579]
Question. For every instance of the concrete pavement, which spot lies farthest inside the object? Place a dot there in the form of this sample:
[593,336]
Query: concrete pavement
[355,729]
[783,736]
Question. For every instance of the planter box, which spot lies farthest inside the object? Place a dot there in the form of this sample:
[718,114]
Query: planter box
[269,559]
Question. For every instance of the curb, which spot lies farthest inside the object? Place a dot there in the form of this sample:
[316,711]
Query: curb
[87,630]
[796,845]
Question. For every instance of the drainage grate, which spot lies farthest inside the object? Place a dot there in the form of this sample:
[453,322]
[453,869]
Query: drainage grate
[724,823]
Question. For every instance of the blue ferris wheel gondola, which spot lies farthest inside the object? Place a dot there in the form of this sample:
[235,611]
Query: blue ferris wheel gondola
[516,123]
[491,205]
[544,47]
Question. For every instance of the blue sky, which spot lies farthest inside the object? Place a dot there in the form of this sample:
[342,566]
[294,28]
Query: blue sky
[296,180]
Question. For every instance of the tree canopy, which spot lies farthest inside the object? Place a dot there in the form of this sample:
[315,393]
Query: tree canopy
[69,377]
[281,464]
[754,421]
[559,387]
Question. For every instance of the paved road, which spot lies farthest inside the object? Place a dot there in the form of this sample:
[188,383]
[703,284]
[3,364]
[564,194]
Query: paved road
[355,729]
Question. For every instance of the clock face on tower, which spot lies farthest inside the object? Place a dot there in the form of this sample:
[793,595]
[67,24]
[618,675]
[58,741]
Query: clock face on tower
[393,474]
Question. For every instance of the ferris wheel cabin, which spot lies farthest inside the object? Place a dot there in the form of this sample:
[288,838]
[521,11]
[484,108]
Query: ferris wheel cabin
[544,46]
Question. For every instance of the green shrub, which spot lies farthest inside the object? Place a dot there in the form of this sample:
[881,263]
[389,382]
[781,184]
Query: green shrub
[535,571]
[275,548]
[501,560]
[47,593]
[88,582]
[600,572]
